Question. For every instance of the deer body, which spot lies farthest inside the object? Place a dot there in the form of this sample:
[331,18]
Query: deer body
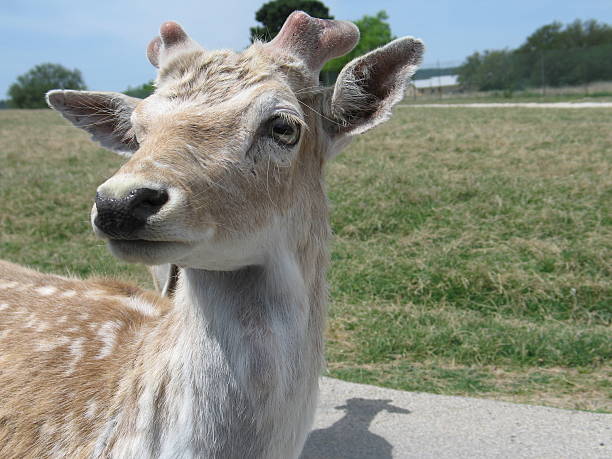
[224,181]
[231,374]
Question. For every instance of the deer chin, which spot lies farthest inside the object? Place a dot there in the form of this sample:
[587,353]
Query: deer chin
[149,252]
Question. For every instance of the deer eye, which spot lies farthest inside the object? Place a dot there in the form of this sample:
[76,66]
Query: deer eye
[284,131]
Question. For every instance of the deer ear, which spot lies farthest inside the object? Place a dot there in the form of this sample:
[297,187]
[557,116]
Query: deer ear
[369,86]
[105,115]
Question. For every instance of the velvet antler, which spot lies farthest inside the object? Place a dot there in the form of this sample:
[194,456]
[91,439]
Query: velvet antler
[171,37]
[314,41]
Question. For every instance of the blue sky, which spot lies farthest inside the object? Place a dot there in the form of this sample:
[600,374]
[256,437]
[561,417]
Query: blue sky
[106,39]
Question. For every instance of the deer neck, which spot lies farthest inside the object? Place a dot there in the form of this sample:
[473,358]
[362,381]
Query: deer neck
[259,317]
[243,366]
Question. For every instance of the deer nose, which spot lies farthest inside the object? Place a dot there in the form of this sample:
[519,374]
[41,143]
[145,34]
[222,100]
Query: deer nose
[119,218]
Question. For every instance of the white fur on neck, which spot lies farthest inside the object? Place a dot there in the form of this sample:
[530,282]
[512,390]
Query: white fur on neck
[242,358]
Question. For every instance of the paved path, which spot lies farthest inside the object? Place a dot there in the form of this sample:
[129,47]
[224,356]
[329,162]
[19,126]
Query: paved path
[519,104]
[356,421]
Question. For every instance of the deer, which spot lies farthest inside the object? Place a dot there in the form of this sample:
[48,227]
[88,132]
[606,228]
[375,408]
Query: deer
[223,192]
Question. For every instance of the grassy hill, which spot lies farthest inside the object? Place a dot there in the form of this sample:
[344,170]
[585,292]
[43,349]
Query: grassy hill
[471,253]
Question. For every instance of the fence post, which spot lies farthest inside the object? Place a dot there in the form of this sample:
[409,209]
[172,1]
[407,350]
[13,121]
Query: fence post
[543,80]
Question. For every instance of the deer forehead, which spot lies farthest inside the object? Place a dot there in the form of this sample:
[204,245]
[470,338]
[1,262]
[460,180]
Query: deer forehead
[197,81]
[218,75]
[163,123]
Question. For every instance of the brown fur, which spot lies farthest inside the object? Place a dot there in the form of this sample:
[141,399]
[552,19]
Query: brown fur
[60,386]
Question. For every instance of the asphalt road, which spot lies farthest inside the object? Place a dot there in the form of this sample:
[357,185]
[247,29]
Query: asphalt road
[356,421]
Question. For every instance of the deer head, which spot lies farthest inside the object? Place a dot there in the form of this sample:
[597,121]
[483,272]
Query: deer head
[226,157]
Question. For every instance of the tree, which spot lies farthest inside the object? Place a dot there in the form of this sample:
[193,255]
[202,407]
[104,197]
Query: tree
[578,53]
[553,55]
[30,88]
[468,72]
[273,14]
[578,34]
[142,91]
[496,69]
[375,32]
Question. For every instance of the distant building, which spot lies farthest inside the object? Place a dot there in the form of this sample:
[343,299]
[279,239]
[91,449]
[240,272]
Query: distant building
[435,85]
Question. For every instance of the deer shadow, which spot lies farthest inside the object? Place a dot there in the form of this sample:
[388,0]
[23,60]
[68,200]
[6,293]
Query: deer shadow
[350,437]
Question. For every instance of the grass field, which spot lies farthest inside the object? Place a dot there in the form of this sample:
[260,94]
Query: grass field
[472,251]
[500,99]
[593,92]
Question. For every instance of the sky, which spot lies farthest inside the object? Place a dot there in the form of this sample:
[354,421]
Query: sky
[107,39]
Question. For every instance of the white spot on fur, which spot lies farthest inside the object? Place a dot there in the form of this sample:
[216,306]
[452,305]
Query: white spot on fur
[47,429]
[62,319]
[46,290]
[140,305]
[68,293]
[95,294]
[32,321]
[7,284]
[91,408]
[83,316]
[77,353]
[3,306]
[35,323]
[107,334]
[44,346]
[25,287]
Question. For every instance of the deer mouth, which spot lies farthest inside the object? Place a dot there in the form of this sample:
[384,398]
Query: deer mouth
[148,252]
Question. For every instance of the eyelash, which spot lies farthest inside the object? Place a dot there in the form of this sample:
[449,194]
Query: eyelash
[288,129]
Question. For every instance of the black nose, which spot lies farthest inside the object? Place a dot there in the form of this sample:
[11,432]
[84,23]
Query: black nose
[119,218]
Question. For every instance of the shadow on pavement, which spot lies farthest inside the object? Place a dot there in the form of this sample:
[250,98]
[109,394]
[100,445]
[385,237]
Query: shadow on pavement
[350,437]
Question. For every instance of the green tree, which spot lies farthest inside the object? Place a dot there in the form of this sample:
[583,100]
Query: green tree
[557,55]
[467,73]
[30,88]
[142,91]
[578,34]
[496,69]
[553,55]
[375,32]
[273,14]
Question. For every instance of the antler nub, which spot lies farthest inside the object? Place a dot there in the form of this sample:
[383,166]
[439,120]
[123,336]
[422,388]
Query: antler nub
[153,51]
[171,35]
[315,41]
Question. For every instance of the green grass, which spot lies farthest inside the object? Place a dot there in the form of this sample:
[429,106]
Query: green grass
[472,249]
[49,172]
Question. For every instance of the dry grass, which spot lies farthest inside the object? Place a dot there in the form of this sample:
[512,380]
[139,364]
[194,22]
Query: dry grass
[471,255]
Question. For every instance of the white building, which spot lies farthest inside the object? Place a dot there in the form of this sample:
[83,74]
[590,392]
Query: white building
[437,84]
